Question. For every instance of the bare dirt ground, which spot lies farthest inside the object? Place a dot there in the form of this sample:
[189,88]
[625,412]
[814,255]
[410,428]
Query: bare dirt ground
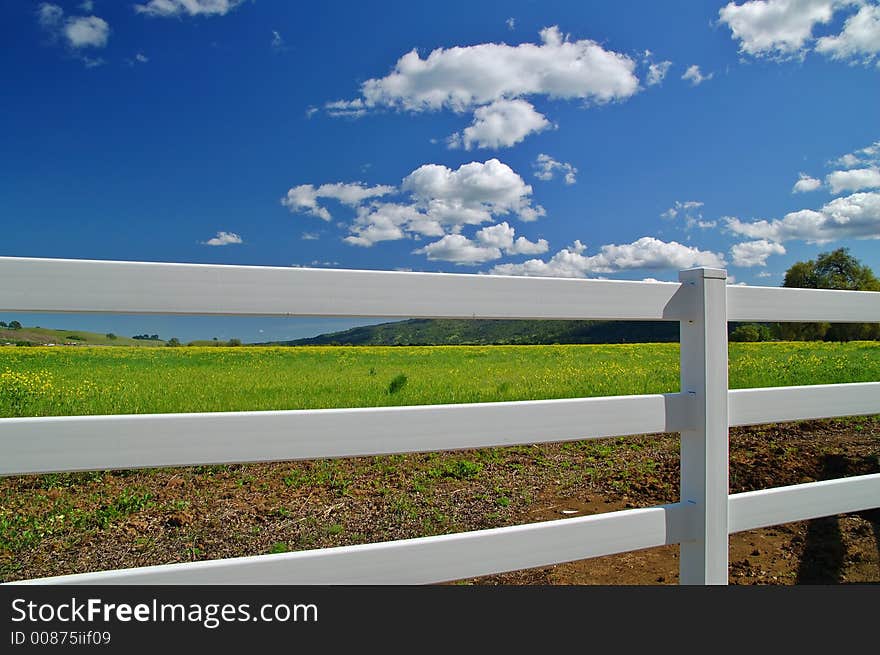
[59,524]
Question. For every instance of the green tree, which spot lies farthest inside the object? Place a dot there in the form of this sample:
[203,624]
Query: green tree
[831,270]
[751,332]
[110,336]
[14,325]
[173,342]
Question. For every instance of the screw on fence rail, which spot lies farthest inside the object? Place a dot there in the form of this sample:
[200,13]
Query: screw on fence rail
[704,448]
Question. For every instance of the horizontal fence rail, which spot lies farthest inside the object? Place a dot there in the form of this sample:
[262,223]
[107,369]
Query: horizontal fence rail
[765,507]
[747,303]
[780,404]
[63,285]
[426,559]
[30,445]
[701,411]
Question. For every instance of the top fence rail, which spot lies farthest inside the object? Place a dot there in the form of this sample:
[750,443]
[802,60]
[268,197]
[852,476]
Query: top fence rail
[86,286]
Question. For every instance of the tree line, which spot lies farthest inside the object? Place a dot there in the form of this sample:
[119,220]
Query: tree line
[830,270]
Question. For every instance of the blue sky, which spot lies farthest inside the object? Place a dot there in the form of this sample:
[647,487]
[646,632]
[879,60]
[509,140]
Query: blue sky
[623,140]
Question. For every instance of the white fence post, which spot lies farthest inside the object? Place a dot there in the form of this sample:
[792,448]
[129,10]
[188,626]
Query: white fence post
[704,450]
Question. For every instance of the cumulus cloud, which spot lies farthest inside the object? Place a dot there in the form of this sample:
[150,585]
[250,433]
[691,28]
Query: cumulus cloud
[471,194]
[77,31]
[657,71]
[464,78]
[806,183]
[305,196]
[460,78]
[860,38]
[855,216]
[224,239]
[169,8]
[503,236]
[755,253]
[776,28]
[869,155]
[645,253]
[502,124]
[439,201]
[86,31]
[695,76]
[435,201]
[459,249]
[390,222]
[783,29]
[546,168]
[854,179]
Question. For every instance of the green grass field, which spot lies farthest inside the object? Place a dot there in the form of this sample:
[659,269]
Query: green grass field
[45,336]
[73,381]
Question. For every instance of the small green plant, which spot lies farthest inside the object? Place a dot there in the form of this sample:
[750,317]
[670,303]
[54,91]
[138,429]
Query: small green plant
[458,469]
[398,383]
[278,547]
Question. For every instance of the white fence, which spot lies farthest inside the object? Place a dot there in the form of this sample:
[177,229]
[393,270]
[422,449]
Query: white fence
[702,411]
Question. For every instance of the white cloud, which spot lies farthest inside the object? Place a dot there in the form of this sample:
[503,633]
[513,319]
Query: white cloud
[310,236]
[806,183]
[755,253]
[459,249]
[224,239]
[511,23]
[78,31]
[679,206]
[502,124]
[690,216]
[346,108]
[776,28]
[441,201]
[88,5]
[546,168]
[869,155]
[657,71]
[848,160]
[277,41]
[860,37]
[696,77]
[86,31]
[854,180]
[390,222]
[645,253]
[856,216]
[502,236]
[49,16]
[305,196]
[166,8]
[472,194]
[460,78]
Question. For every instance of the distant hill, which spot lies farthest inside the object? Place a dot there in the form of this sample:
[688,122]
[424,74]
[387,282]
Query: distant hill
[38,336]
[448,332]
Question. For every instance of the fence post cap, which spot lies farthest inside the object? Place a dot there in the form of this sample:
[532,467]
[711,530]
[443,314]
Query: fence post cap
[702,272]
